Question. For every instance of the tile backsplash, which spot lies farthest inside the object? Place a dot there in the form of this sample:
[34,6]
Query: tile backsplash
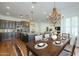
[7,30]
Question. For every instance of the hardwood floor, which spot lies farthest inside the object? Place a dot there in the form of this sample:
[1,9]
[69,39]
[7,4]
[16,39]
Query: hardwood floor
[8,48]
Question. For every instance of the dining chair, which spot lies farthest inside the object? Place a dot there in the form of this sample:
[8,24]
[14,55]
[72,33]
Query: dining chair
[47,35]
[77,47]
[70,51]
[70,43]
[38,37]
[65,35]
[18,51]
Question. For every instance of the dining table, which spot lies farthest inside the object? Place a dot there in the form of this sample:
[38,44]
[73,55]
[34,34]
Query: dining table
[50,50]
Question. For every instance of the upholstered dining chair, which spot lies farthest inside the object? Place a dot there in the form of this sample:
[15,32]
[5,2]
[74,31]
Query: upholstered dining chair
[77,47]
[65,35]
[70,51]
[38,37]
[70,43]
[47,35]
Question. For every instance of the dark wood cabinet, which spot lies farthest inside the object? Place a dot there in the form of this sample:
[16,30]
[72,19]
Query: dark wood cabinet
[7,36]
[9,28]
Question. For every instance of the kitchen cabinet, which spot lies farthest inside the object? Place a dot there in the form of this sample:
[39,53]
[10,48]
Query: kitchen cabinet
[6,24]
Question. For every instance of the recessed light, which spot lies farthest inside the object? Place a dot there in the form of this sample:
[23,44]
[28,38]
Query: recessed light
[33,6]
[21,16]
[7,7]
[7,13]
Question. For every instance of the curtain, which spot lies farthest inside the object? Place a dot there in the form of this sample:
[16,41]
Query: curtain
[70,25]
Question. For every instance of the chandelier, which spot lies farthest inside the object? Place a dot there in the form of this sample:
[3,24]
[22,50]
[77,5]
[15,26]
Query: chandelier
[55,16]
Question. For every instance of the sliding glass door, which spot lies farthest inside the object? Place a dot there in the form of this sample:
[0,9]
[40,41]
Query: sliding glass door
[70,25]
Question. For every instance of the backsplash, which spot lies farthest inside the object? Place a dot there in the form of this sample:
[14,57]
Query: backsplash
[7,30]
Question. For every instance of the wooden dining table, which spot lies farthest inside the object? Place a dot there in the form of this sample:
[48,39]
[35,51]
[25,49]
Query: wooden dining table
[50,50]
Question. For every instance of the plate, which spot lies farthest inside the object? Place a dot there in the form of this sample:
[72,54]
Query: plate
[40,45]
[59,44]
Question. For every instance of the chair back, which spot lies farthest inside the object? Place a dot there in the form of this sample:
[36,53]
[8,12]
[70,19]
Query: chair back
[66,35]
[47,35]
[77,41]
[18,50]
[38,37]
[73,47]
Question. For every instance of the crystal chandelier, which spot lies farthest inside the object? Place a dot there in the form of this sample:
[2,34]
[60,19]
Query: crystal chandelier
[55,16]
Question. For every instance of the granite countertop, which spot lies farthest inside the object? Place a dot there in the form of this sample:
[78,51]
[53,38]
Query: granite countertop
[7,30]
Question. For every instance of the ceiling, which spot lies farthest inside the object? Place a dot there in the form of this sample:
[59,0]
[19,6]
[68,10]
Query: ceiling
[41,10]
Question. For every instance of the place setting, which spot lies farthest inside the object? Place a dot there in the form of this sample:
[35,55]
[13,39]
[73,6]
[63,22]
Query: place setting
[57,43]
[40,45]
[63,38]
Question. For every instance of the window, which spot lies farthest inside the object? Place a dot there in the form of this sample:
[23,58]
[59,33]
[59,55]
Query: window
[70,25]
